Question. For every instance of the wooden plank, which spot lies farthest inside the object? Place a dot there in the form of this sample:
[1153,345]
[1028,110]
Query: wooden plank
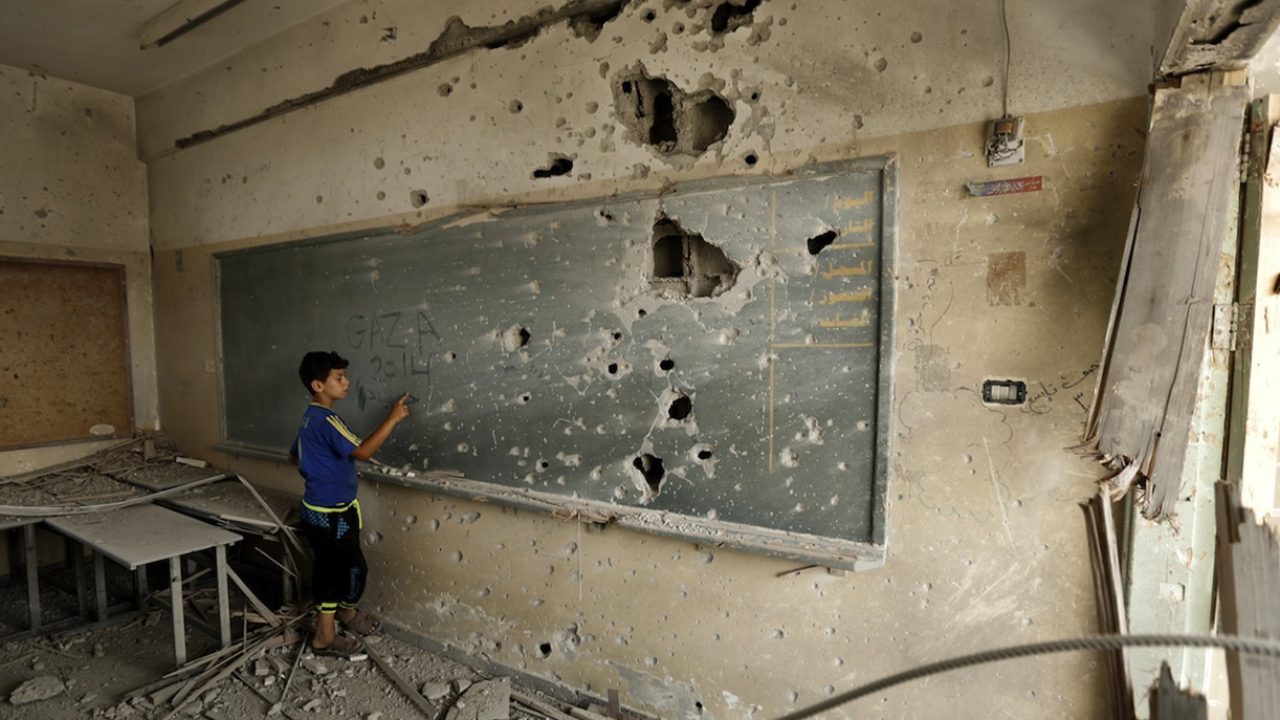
[1170,702]
[1160,337]
[1249,589]
[257,604]
[68,368]
[1258,342]
[424,706]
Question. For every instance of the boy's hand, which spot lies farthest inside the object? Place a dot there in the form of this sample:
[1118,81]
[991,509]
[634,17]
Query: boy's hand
[400,410]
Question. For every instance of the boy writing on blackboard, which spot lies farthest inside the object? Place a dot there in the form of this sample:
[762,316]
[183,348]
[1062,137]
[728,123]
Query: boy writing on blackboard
[325,452]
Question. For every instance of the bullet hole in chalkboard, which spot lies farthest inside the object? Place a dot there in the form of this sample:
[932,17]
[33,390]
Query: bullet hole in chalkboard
[514,338]
[680,408]
[650,467]
[544,464]
[418,198]
[525,398]
[817,243]
[544,650]
[613,368]
[704,454]
[667,364]
[617,335]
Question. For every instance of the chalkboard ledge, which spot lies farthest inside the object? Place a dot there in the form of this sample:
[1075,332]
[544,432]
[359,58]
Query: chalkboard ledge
[807,549]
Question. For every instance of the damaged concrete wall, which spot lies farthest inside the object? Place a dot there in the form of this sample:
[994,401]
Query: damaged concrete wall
[72,188]
[986,546]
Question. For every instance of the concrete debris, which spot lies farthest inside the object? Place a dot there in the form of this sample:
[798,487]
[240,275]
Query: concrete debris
[436,690]
[314,666]
[37,689]
[487,700]
[461,684]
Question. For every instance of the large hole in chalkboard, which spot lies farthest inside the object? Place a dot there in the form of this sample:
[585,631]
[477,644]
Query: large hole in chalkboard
[685,262]
[680,408]
[668,255]
[650,466]
[818,242]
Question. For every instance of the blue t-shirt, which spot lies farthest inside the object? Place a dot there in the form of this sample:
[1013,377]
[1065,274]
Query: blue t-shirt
[323,448]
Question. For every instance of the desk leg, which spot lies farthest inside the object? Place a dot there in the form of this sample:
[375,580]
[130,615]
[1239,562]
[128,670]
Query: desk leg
[224,609]
[100,584]
[175,600]
[33,575]
[140,588]
[82,589]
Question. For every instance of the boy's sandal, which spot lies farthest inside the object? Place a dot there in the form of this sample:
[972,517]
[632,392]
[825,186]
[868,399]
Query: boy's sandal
[341,647]
[363,623]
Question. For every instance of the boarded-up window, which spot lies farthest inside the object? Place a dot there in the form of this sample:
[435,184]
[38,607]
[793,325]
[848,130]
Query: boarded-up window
[64,369]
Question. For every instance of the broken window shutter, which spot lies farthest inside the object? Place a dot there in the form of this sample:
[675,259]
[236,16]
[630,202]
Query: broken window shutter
[1163,317]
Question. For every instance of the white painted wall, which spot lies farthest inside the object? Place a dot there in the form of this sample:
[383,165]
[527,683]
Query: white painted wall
[72,188]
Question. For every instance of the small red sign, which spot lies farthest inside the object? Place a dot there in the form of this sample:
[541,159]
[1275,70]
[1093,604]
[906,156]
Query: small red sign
[1006,187]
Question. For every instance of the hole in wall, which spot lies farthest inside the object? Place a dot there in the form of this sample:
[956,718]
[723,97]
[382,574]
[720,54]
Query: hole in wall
[560,165]
[650,467]
[669,120]
[729,16]
[680,408]
[704,454]
[418,198]
[751,159]
[668,255]
[544,650]
[818,242]
[667,364]
[613,368]
[589,26]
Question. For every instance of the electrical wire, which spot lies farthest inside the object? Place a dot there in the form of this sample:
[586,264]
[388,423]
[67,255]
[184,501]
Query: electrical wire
[1008,54]
[1248,646]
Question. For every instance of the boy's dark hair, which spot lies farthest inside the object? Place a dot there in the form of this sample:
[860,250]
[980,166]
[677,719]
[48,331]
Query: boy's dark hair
[317,364]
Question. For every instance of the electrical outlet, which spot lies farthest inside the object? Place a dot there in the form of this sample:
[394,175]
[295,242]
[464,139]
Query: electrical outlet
[1004,142]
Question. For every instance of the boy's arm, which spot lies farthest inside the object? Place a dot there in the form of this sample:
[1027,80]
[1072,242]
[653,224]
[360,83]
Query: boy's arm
[370,445]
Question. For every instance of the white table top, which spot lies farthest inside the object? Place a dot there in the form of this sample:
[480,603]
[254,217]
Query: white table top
[8,522]
[141,534]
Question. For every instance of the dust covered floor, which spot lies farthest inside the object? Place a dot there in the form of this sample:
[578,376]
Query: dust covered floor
[95,673]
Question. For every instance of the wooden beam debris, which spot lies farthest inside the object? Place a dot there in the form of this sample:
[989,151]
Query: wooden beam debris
[1249,596]
[1170,702]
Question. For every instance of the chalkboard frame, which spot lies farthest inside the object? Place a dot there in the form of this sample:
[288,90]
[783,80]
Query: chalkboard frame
[804,548]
